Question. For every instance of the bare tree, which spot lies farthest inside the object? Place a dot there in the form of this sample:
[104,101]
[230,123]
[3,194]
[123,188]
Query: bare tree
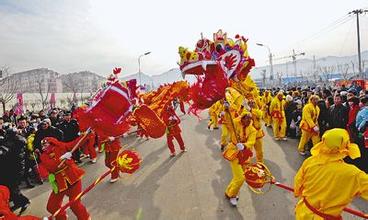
[353,65]
[62,102]
[71,100]
[33,105]
[8,87]
[344,71]
[95,86]
[44,93]
[72,84]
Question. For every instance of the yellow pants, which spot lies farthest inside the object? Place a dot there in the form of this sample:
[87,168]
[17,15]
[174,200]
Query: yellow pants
[306,136]
[225,135]
[267,119]
[213,121]
[237,181]
[279,128]
[258,147]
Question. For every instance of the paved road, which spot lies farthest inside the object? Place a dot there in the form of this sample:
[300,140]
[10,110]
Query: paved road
[188,186]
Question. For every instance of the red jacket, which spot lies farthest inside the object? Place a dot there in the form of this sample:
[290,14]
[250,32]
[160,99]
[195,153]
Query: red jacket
[113,146]
[69,173]
[172,122]
[353,111]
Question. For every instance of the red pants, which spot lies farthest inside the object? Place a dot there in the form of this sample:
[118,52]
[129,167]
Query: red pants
[170,143]
[89,149]
[55,201]
[110,159]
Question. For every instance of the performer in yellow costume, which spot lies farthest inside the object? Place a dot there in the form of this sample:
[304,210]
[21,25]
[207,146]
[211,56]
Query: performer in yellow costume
[256,118]
[278,117]
[309,124]
[226,124]
[232,105]
[326,184]
[237,152]
[266,100]
[214,112]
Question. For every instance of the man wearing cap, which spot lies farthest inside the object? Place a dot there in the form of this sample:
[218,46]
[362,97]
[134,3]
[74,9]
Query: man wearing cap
[278,117]
[338,113]
[70,129]
[309,124]
[318,181]
[238,152]
[54,118]
[46,130]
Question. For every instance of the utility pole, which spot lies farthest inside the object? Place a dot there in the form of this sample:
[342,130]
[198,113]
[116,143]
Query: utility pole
[269,57]
[357,12]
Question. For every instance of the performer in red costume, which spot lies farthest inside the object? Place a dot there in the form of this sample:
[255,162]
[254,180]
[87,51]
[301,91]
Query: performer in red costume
[89,147]
[5,212]
[65,178]
[173,130]
[112,148]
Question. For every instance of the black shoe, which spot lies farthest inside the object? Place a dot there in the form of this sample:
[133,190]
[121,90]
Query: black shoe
[209,127]
[23,208]
[222,148]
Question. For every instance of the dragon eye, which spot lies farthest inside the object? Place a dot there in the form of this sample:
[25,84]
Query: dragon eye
[219,47]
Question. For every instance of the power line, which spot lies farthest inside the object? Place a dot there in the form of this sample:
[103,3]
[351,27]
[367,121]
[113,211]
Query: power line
[349,30]
[331,26]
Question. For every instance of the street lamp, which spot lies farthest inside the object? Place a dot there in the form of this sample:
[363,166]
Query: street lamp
[139,66]
[270,57]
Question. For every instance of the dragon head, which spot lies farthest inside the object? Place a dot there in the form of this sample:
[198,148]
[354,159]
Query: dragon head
[215,63]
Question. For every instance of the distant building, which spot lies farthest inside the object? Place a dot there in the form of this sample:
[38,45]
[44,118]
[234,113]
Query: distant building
[32,81]
[81,82]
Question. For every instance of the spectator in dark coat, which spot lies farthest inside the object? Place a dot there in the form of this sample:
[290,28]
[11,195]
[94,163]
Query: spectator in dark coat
[54,118]
[338,114]
[323,116]
[70,129]
[12,163]
[46,130]
[290,107]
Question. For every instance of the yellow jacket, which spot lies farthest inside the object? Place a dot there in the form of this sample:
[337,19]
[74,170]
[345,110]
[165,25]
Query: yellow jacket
[215,109]
[256,118]
[328,187]
[266,100]
[309,117]
[277,108]
[246,136]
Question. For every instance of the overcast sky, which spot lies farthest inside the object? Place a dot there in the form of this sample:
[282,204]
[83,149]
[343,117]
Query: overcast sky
[96,35]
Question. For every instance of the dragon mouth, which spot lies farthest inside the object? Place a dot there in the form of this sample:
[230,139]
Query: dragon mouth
[197,68]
